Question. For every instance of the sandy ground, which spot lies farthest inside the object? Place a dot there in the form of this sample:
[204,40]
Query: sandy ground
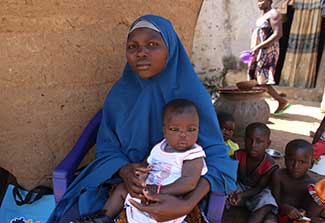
[301,118]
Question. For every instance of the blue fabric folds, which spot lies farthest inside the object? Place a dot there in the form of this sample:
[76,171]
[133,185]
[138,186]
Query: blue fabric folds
[132,125]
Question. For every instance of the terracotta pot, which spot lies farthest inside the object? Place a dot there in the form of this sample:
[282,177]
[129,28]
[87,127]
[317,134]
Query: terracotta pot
[245,106]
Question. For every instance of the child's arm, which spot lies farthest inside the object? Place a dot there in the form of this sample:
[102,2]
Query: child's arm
[191,173]
[290,211]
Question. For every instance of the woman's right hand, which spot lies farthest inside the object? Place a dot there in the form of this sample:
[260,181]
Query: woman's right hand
[134,175]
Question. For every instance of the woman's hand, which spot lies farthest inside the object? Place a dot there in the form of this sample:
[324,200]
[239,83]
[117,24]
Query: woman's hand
[254,50]
[165,207]
[134,176]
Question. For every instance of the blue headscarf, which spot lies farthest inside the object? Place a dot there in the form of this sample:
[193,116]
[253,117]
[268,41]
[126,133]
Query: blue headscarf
[132,124]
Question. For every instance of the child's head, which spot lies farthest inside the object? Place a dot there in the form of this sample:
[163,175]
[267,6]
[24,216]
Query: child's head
[257,139]
[181,124]
[298,157]
[227,124]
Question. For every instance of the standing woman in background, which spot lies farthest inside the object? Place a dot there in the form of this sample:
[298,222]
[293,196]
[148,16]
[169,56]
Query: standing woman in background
[265,49]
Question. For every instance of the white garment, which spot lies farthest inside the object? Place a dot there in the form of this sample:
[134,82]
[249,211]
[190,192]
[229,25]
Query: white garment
[319,166]
[166,167]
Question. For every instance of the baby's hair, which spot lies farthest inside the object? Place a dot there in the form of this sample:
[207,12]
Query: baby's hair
[179,106]
[258,125]
[296,144]
[224,117]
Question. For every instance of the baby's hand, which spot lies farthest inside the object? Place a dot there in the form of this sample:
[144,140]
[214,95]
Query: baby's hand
[152,188]
[142,175]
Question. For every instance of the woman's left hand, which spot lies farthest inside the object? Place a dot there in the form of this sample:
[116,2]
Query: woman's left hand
[165,207]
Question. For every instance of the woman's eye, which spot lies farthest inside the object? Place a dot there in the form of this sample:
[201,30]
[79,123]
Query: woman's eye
[152,44]
[131,46]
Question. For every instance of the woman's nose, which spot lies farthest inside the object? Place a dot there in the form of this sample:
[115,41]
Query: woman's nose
[142,51]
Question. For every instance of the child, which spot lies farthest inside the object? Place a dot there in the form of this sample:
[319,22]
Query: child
[254,174]
[227,126]
[290,184]
[176,163]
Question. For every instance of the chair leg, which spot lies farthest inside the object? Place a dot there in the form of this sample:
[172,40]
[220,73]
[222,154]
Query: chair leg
[215,207]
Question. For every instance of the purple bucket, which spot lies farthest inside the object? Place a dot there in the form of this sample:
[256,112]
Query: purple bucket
[246,56]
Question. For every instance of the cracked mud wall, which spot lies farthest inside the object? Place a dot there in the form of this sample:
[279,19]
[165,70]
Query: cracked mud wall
[58,60]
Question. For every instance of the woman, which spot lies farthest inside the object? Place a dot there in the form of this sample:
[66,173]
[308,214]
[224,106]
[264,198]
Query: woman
[265,48]
[157,71]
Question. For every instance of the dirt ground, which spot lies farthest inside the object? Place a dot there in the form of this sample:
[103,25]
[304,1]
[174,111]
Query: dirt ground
[301,118]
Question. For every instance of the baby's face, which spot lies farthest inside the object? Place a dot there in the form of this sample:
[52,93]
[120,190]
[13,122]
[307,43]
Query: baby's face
[298,162]
[181,130]
[256,142]
[228,129]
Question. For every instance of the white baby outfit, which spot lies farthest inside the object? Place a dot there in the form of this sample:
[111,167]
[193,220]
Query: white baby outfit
[166,167]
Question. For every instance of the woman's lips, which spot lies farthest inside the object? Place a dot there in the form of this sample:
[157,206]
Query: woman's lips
[143,66]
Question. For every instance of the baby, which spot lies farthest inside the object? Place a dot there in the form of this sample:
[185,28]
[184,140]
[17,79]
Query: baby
[175,164]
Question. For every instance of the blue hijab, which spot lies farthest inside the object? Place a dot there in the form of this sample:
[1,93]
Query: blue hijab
[132,125]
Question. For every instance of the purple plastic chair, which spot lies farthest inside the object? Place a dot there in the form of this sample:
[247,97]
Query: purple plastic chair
[64,173]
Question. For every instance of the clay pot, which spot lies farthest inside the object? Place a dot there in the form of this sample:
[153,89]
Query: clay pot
[245,106]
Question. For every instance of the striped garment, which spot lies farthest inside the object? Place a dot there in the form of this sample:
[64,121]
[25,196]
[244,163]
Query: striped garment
[299,68]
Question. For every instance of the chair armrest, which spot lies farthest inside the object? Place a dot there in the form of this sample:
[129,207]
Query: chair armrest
[63,174]
[216,207]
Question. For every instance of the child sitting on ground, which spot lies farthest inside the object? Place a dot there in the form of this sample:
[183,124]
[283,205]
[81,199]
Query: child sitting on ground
[227,126]
[254,175]
[290,184]
[176,164]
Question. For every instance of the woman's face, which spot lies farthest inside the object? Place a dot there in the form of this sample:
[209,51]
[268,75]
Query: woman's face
[146,52]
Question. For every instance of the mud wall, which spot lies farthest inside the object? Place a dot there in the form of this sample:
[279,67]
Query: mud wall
[223,29]
[58,60]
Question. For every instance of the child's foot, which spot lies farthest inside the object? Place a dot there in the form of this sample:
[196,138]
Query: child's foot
[98,217]
[283,106]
